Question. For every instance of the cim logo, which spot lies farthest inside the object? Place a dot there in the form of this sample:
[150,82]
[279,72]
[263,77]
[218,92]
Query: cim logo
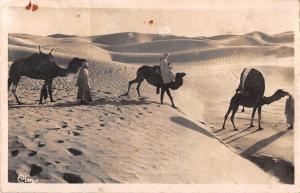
[27,179]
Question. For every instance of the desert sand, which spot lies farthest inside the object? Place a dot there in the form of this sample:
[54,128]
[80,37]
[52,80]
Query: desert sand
[119,139]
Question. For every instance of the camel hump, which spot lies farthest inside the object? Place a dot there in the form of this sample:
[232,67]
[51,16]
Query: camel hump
[253,81]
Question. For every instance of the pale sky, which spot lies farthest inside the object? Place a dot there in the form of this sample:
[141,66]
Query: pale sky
[183,17]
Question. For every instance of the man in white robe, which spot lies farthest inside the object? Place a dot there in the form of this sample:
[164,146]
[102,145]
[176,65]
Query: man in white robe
[165,69]
[290,112]
[84,93]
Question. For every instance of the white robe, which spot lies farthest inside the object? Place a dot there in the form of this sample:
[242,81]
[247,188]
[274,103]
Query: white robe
[166,72]
[245,74]
[289,110]
[83,84]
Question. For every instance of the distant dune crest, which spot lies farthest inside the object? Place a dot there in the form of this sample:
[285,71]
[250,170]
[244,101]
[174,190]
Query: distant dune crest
[132,47]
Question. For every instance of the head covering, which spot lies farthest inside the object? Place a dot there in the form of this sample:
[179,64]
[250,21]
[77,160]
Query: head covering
[85,65]
[166,54]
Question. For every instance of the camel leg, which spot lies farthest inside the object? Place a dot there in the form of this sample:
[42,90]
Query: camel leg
[234,110]
[170,96]
[259,118]
[14,89]
[252,117]
[138,87]
[43,92]
[50,90]
[129,85]
[226,115]
[157,90]
[162,95]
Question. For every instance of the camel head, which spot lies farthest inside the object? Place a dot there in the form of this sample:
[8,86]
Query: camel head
[281,93]
[178,80]
[180,75]
[75,64]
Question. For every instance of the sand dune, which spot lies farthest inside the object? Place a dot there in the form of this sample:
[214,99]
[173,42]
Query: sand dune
[120,139]
[173,45]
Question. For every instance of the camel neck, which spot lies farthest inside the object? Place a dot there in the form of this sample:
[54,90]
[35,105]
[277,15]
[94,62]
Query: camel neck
[271,99]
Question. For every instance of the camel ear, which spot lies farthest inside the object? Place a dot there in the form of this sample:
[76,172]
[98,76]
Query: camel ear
[51,51]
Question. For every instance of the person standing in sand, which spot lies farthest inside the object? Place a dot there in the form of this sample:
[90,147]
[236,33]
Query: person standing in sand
[289,112]
[84,93]
[167,74]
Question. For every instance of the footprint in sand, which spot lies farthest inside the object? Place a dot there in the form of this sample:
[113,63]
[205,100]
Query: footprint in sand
[72,178]
[202,122]
[122,118]
[41,144]
[65,125]
[140,113]
[14,153]
[47,163]
[74,152]
[35,170]
[79,127]
[102,125]
[60,141]
[53,129]
[76,133]
[32,153]
[36,136]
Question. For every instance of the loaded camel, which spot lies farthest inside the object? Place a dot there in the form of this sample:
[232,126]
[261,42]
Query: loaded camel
[251,94]
[153,77]
[40,66]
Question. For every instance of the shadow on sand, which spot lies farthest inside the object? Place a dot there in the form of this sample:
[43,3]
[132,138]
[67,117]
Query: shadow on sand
[189,124]
[263,143]
[99,101]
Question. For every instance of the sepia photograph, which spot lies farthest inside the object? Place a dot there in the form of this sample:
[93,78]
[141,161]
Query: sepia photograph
[138,92]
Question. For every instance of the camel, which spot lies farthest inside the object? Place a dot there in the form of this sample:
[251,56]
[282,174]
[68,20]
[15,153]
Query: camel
[40,66]
[153,77]
[252,97]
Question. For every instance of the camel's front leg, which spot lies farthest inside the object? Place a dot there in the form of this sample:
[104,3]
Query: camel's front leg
[226,115]
[252,117]
[162,95]
[170,96]
[129,85]
[234,110]
[259,118]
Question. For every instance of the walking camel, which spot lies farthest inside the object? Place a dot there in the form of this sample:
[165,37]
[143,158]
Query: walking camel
[40,66]
[252,97]
[151,75]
